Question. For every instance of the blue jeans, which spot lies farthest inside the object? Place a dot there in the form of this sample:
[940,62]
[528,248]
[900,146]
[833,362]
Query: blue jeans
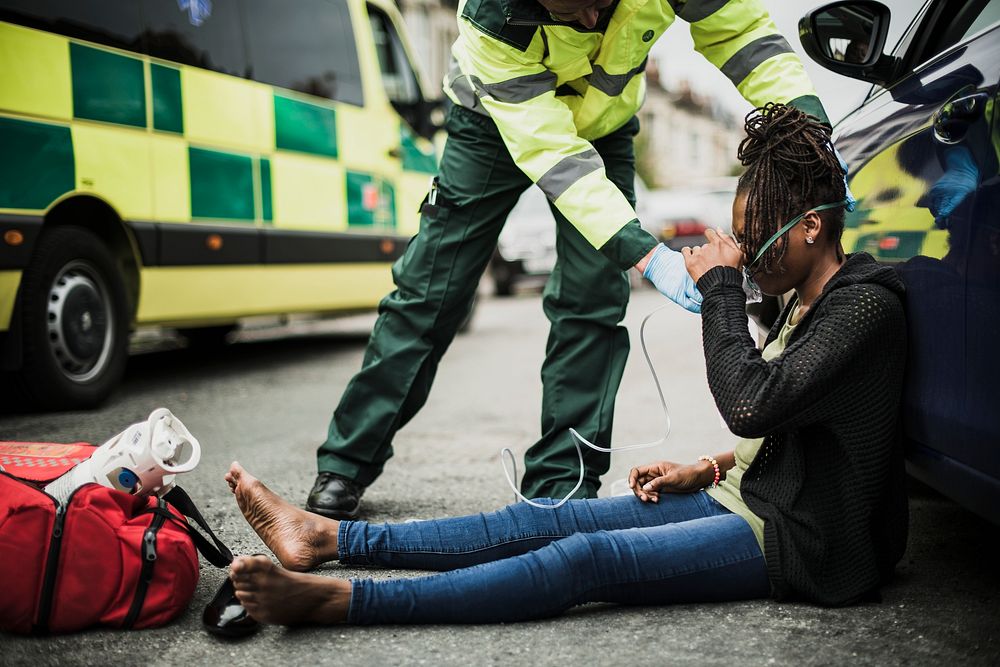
[522,562]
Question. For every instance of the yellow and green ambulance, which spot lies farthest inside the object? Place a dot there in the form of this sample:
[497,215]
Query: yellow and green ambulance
[188,163]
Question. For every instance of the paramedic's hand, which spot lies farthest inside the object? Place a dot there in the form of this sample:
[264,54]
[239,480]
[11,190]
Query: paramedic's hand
[721,250]
[959,180]
[666,271]
[649,481]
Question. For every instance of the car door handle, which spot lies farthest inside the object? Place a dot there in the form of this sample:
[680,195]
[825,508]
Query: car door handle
[953,119]
[396,152]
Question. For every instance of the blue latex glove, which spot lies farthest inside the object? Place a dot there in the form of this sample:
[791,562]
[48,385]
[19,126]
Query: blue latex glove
[848,195]
[960,179]
[667,272]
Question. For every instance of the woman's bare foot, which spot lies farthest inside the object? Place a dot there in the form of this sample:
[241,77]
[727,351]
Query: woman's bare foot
[273,595]
[301,540]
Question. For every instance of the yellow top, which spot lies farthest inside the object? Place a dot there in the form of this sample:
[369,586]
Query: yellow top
[553,87]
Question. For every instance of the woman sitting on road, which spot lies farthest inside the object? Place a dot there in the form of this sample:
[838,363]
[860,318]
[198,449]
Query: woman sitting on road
[810,505]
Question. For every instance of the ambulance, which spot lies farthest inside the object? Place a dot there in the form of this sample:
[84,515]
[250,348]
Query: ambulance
[192,163]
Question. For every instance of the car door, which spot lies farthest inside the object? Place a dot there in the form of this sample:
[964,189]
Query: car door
[983,301]
[922,159]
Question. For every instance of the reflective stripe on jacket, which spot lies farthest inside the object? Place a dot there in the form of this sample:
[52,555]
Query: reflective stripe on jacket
[552,87]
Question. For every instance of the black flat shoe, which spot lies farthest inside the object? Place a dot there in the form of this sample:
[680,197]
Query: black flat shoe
[224,616]
[335,497]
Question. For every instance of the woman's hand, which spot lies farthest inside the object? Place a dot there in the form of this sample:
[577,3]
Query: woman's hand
[721,250]
[649,481]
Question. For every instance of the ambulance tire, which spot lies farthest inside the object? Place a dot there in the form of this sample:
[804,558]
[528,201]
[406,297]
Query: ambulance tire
[74,321]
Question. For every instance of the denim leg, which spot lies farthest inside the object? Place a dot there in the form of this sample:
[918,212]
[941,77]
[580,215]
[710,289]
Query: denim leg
[714,558]
[448,544]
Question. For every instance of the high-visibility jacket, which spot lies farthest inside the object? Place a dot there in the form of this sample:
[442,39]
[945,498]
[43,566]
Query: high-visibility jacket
[552,87]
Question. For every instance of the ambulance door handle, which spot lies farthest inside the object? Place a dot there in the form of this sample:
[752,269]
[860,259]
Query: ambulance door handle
[396,152]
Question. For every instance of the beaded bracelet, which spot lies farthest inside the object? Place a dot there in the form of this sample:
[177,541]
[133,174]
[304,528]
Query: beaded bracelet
[715,464]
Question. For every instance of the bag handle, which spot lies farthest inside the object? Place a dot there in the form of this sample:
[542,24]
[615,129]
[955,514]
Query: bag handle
[218,554]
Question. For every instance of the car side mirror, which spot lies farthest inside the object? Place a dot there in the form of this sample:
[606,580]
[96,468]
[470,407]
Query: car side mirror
[848,37]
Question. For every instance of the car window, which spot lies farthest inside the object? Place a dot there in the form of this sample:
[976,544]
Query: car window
[311,49]
[937,26]
[954,22]
[398,79]
[110,22]
[904,44]
[988,17]
[196,32]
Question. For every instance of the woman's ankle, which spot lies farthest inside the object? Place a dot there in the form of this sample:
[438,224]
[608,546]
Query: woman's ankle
[327,532]
[339,603]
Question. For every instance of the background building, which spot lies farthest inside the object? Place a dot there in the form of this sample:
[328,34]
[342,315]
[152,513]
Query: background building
[685,138]
[432,29]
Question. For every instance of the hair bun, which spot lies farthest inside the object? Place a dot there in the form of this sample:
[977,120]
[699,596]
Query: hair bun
[769,128]
[790,166]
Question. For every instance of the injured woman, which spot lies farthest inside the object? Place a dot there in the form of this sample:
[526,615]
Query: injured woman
[810,505]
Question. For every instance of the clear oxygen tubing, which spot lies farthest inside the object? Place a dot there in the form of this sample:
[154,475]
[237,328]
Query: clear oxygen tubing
[577,438]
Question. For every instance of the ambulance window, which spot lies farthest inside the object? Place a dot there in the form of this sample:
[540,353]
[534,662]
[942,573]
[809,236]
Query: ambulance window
[111,22]
[201,33]
[398,79]
[310,48]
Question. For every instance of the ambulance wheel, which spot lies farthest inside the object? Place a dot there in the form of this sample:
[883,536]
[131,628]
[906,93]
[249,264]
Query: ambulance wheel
[74,321]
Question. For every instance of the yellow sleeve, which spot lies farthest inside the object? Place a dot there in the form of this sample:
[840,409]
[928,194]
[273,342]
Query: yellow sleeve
[518,93]
[739,37]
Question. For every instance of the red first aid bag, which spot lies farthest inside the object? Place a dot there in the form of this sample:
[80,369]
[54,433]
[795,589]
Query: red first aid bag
[104,558]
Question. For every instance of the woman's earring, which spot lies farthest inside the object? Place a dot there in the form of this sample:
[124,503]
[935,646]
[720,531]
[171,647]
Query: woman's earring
[810,240]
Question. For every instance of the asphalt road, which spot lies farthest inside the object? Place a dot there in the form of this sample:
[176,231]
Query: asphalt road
[266,401]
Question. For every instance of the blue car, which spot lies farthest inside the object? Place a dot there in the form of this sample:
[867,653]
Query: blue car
[923,151]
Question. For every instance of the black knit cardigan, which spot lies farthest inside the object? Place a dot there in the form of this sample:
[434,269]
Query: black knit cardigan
[828,481]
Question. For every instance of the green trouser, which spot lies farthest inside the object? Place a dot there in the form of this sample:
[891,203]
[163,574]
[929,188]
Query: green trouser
[436,280]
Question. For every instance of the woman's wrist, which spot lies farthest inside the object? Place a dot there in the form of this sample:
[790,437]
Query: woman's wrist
[710,473]
[719,275]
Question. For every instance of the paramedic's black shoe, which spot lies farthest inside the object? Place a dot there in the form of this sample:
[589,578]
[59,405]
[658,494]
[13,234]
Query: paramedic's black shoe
[225,616]
[335,497]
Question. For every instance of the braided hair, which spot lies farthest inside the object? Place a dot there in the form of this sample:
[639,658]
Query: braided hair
[790,167]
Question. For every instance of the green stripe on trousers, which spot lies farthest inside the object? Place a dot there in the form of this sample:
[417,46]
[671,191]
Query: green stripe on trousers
[436,279]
